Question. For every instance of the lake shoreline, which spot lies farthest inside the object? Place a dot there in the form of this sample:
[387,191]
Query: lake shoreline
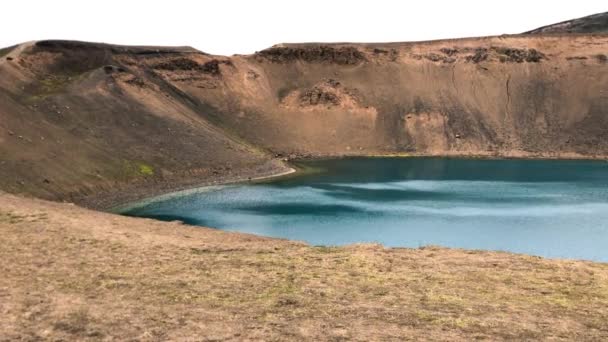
[143,192]
[200,188]
[411,202]
[116,198]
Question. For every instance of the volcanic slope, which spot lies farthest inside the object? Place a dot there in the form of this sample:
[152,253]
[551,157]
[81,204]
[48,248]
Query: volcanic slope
[596,23]
[76,121]
[79,120]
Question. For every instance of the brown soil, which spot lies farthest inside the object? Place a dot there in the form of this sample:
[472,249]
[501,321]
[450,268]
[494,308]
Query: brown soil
[73,274]
[85,122]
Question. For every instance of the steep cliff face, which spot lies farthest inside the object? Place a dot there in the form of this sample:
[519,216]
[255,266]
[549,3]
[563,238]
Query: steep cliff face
[507,96]
[81,118]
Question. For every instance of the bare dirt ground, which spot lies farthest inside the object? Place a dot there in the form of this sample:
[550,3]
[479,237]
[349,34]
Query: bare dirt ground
[73,274]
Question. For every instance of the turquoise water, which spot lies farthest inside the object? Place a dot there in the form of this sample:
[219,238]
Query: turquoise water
[546,208]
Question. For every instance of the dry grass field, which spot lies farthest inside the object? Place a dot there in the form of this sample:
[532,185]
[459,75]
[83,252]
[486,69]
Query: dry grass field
[73,274]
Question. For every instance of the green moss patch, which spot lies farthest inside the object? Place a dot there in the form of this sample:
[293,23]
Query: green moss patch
[134,169]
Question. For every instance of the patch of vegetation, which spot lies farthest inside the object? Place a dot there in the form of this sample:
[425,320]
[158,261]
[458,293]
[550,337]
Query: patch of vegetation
[14,218]
[145,170]
[325,249]
[54,83]
[10,217]
[51,85]
[137,169]
[75,323]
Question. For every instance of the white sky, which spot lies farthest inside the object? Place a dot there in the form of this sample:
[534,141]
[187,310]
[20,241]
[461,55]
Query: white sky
[233,26]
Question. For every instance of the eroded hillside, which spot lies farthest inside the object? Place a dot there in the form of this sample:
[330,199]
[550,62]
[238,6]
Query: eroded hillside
[80,119]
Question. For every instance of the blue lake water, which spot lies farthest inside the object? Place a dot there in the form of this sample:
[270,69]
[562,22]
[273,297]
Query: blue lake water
[548,208]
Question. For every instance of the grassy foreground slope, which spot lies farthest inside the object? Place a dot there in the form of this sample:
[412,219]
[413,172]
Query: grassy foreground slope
[73,274]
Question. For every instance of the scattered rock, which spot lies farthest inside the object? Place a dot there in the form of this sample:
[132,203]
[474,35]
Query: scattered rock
[177,64]
[46,181]
[211,67]
[392,53]
[380,51]
[252,75]
[480,55]
[317,95]
[185,64]
[287,302]
[322,94]
[512,55]
[576,58]
[332,83]
[136,81]
[449,51]
[345,55]
[434,57]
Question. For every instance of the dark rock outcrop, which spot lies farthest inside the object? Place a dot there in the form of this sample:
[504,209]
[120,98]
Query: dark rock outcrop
[185,64]
[346,55]
[480,55]
[597,23]
[318,96]
[512,55]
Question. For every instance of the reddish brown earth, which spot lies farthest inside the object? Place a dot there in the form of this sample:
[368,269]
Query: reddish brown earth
[83,120]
